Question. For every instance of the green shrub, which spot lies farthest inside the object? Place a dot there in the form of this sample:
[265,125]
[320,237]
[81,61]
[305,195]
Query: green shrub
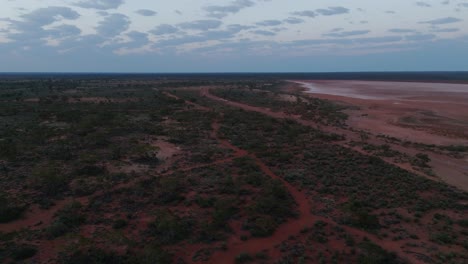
[224,210]
[463,222]
[8,210]
[374,254]
[151,255]
[50,180]
[8,149]
[169,190]
[23,252]
[119,224]
[92,256]
[262,226]
[66,220]
[169,228]
[443,238]
[243,258]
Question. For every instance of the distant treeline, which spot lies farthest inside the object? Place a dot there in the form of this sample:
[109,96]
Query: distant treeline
[461,76]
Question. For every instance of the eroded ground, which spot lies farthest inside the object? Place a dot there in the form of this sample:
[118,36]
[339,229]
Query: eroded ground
[217,171]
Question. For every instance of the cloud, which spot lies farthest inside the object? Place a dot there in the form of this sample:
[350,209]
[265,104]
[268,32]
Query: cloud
[30,29]
[341,34]
[445,30]
[220,11]
[337,29]
[113,25]
[293,20]
[62,31]
[423,4]
[401,30]
[203,36]
[237,27]
[137,40]
[46,16]
[164,29]
[305,13]
[345,41]
[331,11]
[264,33]
[441,21]
[146,12]
[201,24]
[100,4]
[376,40]
[269,23]
[420,37]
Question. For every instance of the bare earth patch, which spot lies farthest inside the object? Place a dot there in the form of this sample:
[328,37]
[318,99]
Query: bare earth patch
[428,113]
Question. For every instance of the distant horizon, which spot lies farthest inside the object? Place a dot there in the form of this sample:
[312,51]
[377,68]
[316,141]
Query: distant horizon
[430,76]
[233,72]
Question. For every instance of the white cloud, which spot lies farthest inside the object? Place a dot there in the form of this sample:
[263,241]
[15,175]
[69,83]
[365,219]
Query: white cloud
[100,4]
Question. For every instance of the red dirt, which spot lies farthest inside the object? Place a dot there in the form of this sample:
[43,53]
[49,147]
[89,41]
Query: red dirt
[429,113]
[438,112]
[234,245]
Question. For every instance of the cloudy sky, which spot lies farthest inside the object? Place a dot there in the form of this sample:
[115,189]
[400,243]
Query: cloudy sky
[232,35]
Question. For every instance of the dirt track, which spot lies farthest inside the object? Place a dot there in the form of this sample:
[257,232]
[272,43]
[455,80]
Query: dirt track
[235,246]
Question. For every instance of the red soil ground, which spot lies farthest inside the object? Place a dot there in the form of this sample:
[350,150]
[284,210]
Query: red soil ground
[234,245]
[429,113]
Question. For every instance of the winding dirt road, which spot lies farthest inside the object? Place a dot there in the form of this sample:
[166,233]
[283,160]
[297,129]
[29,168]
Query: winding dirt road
[293,226]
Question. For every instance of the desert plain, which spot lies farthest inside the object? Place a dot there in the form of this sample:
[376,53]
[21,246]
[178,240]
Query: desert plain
[142,169]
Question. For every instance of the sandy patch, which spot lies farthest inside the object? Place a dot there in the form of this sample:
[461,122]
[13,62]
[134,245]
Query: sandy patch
[166,150]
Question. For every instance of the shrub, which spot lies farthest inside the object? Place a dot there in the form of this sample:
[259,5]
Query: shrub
[23,252]
[169,190]
[169,228]
[224,210]
[151,255]
[67,219]
[243,258]
[94,256]
[8,149]
[9,211]
[463,222]
[373,254]
[50,180]
[262,226]
[119,224]
[443,238]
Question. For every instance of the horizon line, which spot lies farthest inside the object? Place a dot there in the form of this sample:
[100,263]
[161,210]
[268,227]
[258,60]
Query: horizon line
[229,72]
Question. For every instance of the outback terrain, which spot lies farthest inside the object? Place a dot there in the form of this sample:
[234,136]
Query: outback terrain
[141,170]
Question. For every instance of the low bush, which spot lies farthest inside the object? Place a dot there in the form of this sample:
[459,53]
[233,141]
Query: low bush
[66,220]
[9,211]
[22,252]
[169,228]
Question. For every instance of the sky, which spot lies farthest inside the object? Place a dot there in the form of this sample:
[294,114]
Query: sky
[233,35]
